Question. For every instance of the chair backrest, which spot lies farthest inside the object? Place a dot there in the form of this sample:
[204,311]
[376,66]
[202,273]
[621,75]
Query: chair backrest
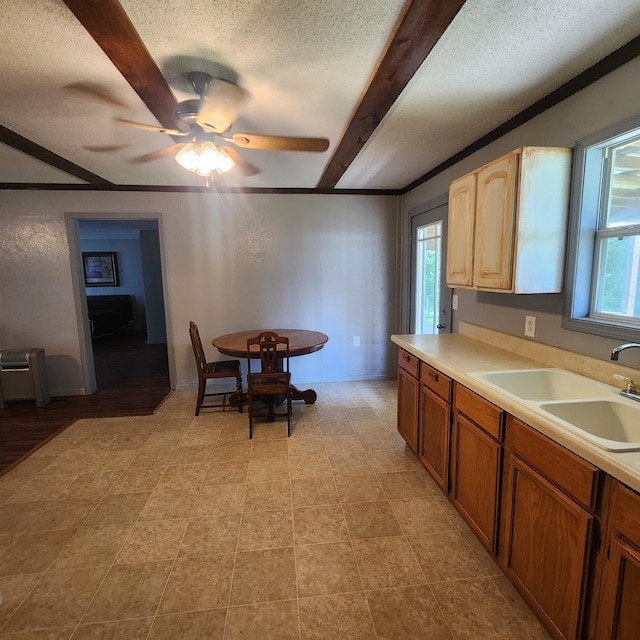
[272,348]
[196,343]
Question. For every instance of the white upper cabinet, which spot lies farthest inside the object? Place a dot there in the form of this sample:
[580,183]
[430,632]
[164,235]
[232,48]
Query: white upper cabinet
[508,223]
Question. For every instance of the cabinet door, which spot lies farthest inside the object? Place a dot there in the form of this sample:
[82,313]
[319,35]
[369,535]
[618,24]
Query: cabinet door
[546,547]
[619,616]
[460,235]
[495,224]
[475,479]
[435,427]
[408,408]
[619,604]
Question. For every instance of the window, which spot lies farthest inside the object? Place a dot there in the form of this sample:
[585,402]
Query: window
[603,275]
[428,276]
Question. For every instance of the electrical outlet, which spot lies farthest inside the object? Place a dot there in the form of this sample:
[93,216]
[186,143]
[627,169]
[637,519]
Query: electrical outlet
[530,326]
[454,301]
[356,341]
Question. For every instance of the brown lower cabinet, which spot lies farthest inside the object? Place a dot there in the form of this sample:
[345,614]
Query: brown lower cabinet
[547,533]
[475,479]
[434,432]
[619,603]
[536,506]
[408,388]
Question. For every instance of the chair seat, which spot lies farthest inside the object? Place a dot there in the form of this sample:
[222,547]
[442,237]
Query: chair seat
[222,366]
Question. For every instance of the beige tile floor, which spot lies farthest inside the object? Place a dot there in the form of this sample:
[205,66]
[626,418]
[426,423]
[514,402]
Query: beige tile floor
[170,526]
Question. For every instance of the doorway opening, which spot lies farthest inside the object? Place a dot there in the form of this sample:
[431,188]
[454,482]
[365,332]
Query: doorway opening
[125,308]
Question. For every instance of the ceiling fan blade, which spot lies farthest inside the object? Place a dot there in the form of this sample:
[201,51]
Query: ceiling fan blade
[278,143]
[243,166]
[219,106]
[95,92]
[150,127]
[154,155]
[108,148]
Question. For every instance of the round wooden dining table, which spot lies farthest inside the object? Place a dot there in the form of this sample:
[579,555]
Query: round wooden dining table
[301,342]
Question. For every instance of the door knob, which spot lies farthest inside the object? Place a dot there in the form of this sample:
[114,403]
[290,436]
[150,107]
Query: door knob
[441,326]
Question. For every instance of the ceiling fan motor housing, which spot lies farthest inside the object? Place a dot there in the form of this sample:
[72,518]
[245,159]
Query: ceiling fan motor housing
[185,114]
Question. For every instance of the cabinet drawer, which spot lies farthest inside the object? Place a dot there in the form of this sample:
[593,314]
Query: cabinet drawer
[436,381]
[408,362]
[626,513]
[574,476]
[486,415]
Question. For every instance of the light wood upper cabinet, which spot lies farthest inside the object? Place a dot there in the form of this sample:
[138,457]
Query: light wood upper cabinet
[495,224]
[508,223]
[462,205]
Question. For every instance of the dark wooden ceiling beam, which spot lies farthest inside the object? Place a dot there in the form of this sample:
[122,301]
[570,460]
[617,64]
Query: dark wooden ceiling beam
[422,26]
[20,143]
[110,27]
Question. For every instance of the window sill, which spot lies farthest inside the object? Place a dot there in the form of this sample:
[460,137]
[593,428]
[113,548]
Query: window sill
[603,329]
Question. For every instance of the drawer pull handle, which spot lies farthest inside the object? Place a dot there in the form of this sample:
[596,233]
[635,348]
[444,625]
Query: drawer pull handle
[433,376]
[405,358]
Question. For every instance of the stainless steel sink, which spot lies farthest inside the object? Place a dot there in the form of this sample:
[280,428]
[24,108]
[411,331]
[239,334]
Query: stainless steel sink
[544,384]
[613,425]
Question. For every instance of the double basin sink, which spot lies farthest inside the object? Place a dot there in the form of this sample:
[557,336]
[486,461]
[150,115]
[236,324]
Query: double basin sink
[592,410]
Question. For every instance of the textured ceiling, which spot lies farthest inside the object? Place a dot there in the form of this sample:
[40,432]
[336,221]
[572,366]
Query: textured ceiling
[306,65]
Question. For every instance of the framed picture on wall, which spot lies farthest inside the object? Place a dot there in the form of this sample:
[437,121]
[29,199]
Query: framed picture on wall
[100,269]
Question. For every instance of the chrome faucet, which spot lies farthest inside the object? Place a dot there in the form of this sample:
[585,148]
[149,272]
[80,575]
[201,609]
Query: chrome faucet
[622,347]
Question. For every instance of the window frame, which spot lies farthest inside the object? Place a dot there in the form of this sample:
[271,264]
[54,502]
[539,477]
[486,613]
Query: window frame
[587,186]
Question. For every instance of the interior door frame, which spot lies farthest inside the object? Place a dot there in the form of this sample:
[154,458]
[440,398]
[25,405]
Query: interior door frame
[79,293]
[445,292]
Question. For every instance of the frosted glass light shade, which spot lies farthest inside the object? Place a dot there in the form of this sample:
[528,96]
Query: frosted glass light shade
[204,159]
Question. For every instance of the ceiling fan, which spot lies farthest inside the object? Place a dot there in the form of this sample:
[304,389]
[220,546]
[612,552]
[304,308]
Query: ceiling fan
[205,125]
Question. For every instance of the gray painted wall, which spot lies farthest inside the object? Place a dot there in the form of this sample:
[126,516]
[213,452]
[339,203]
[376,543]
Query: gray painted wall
[612,99]
[231,262]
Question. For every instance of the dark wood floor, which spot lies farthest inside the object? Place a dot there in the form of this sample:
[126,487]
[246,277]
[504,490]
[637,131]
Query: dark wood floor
[132,379]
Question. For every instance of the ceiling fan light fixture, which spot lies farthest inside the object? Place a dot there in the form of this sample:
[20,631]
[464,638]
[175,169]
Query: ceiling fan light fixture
[204,159]
[188,156]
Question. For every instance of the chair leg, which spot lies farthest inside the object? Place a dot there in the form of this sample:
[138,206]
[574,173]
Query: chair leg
[289,413]
[201,385]
[250,409]
[239,392]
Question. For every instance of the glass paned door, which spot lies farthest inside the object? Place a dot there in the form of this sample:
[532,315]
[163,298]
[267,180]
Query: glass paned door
[430,297]
[428,267]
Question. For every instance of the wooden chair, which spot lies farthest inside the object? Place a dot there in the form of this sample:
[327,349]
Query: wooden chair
[211,370]
[274,378]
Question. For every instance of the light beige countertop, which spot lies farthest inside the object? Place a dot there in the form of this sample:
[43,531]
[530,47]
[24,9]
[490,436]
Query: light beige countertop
[475,349]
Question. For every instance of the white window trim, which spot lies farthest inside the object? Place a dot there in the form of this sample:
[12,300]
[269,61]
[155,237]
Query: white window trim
[586,188]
